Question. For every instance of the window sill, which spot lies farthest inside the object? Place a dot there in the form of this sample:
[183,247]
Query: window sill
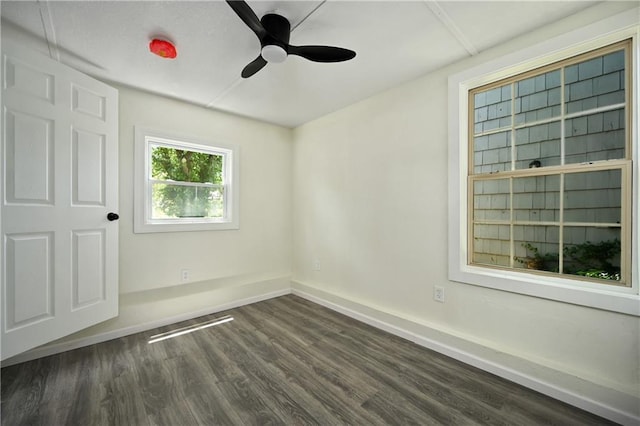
[599,296]
[184,226]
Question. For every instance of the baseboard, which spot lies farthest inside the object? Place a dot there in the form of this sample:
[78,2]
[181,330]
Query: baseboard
[556,384]
[67,345]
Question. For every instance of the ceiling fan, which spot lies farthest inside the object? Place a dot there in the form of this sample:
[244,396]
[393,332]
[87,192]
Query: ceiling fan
[273,31]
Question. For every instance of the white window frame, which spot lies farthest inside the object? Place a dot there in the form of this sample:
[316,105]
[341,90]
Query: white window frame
[143,223]
[602,33]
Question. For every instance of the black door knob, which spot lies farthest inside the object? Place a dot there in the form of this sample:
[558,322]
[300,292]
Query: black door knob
[113,216]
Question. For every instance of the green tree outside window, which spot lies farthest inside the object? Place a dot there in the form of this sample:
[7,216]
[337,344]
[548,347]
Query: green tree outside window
[186,183]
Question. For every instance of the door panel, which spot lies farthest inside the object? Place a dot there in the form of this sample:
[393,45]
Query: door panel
[59,251]
[88,162]
[88,268]
[30,281]
[84,101]
[28,81]
[29,151]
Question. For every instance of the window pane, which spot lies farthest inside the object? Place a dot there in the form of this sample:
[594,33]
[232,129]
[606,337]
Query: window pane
[492,109]
[592,252]
[538,98]
[536,198]
[491,245]
[492,153]
[593,197]
[491,200]
[536,247]
[185,166]
[595,83]
[538,146]
[595,137]
[178,201]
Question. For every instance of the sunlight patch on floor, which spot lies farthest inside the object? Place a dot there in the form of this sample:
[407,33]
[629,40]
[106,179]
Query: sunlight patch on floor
[190,329]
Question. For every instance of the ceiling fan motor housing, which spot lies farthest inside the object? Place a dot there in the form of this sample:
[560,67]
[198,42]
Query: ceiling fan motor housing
[274,45]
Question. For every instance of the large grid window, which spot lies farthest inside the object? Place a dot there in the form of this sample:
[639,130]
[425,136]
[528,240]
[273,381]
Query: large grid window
[550,170]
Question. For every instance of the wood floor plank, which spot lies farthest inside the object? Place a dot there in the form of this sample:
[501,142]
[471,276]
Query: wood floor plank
[290,402]
[390,381]
[312,380]
[202,395]
[321,366]
[438,382]
[282,361]
[121,404]
[368,351]
[474,395]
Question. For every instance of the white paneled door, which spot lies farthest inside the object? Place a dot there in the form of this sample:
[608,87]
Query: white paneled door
[59,170]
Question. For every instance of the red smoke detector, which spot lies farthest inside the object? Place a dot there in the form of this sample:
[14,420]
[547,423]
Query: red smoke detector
[163,48]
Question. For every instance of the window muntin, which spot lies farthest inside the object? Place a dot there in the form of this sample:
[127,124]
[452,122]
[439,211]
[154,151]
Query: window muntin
[549,170]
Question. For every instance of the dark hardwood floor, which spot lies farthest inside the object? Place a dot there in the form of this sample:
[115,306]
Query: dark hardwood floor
[282,361]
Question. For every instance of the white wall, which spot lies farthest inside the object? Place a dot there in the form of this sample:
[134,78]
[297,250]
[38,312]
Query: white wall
[370,204]
[260,249]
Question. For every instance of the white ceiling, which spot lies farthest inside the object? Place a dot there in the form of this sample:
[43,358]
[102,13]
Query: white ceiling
[395,41]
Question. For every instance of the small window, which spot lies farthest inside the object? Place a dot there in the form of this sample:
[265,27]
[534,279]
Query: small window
[183,184]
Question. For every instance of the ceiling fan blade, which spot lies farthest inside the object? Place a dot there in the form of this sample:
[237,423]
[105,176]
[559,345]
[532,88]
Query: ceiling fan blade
[253,67]
[248,16]
[322,53]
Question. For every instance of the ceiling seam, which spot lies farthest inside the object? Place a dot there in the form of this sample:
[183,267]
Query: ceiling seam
[439,12]
[49,30]
[224,92]
[308,15]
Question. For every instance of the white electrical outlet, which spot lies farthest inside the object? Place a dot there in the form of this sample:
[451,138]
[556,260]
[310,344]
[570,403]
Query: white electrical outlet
[438,294]
[316,264]
[185,275]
